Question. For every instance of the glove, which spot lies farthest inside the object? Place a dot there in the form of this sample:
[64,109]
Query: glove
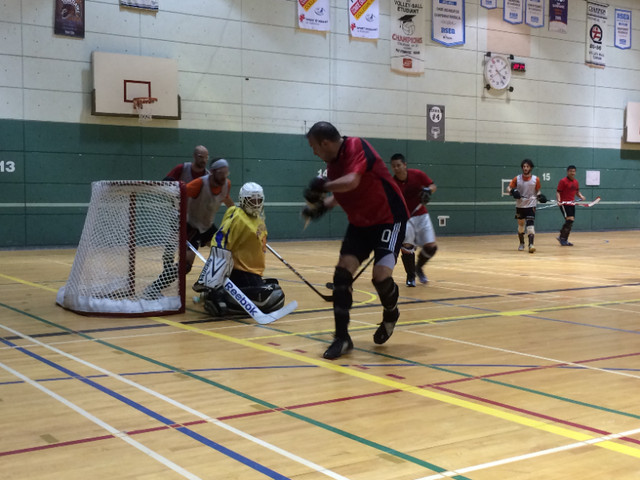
[516,194]
[542,198]
[315,211]
[314,193]
[425,195]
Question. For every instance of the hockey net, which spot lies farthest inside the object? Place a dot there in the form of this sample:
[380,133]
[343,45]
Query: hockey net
[130,259]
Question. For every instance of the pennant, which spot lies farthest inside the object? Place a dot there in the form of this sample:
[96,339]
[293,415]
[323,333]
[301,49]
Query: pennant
[314,15]
[144,4]
[558,15]
[69,18]
[534,13]
[596,25]
[489,4]
[622,34]
[447,22]
[512,11]
[364,18]
[406,20]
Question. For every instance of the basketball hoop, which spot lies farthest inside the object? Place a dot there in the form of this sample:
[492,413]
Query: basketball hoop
[143,105]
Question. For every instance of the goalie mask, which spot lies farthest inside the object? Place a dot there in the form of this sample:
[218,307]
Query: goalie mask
[252,199]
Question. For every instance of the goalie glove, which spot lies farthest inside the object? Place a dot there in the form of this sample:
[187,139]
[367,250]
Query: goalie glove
[515,193]
[542,198]
[315,192]
[425,195]
[315,211]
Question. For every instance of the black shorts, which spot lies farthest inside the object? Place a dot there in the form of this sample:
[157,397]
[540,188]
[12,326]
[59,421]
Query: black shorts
[524,213]
[198,239]
[381,239]
[568,210]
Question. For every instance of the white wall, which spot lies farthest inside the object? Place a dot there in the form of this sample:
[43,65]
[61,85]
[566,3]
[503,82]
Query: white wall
[244,66]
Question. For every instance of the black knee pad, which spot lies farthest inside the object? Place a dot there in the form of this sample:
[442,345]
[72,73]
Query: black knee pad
[342,294]
[430,251]
[388,293]
[530,222]
[568,224]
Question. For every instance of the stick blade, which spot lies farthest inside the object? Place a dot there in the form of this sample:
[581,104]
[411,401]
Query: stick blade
[595,201]
[267,318]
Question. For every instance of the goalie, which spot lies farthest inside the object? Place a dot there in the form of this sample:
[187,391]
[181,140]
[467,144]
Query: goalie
[238,252]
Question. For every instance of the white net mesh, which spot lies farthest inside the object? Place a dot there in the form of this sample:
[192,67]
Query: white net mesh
[128,257]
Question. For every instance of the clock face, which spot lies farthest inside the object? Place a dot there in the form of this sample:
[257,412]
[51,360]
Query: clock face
[497,72]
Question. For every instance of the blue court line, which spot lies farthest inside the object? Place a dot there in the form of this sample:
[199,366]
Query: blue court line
[156,416]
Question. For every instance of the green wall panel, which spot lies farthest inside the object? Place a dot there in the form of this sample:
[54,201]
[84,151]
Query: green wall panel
[46,229]
[11,135]
[13,230]
[12,167]
[82,138]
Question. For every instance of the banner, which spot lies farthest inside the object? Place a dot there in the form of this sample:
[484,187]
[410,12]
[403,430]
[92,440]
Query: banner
[447,22]
[364,18]
[489,4]
[145,4]
[558,15]
[406,20]
[435,123]
[596,24]
[534,13]
[512,11]
[622,35]
[314,15]
[69,18]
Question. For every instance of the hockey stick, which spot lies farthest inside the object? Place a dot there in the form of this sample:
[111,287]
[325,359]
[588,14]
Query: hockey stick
[248,305]
[330,285]
[328,298]
[554,203]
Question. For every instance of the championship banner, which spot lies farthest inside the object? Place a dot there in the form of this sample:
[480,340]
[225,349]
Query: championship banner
[558,15]
[489,4]
[69,18]
[144,4]
[596,24]
[364,18]
[447,22]
[512,11]
[314,15]
[406,20]
[534,13]
[622,35]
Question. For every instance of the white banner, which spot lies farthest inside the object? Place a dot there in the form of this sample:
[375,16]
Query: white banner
[314,15]
[146,4]
[534,13]
[633,122]
[364,18]
[406,20]
[596,25]
[623,29]
[490,4]
[447,22]
[512,11]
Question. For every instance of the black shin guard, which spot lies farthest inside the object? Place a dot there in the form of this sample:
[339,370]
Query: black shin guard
[566,229]
[388,292]
[342,301]
[425,255]
[409,262]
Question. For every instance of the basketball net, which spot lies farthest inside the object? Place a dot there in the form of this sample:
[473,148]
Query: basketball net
[143,105]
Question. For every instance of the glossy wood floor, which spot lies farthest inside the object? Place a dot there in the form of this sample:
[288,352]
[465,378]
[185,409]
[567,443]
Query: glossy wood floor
[506,365]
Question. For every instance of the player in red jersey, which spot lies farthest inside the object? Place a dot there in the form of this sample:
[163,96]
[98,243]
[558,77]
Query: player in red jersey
[568,189]
[417,188]
[189,171]
[377,214]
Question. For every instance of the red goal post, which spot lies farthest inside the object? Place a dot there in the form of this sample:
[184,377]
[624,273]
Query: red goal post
[130,259]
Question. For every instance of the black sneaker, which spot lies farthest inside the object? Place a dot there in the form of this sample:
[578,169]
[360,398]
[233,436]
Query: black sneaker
[421,276]
[338,348]
[385,330]
[411,282]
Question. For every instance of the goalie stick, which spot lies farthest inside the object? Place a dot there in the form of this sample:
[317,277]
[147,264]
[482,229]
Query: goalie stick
[248,306]
[328,298]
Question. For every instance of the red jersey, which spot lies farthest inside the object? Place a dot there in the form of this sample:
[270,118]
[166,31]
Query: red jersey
[184,173]
[377,199]
[412,187]
[568,189]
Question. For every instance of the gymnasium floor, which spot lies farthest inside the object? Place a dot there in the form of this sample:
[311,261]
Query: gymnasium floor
[506,365]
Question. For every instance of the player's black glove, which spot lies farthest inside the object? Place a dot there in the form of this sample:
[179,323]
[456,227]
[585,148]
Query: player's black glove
[516,194]
[315,191]
[425,195]
[542,198]
[315,211]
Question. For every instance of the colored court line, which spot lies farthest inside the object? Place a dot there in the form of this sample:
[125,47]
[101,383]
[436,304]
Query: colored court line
[514,418]
[330,428]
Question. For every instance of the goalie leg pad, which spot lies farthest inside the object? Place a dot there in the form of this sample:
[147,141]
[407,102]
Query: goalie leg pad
[216,270]
[342,300]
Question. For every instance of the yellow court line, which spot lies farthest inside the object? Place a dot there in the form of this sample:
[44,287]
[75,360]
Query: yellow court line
[395,385]
[25,282]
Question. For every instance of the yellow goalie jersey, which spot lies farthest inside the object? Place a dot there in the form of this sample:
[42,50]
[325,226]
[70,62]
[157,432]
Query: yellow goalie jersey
[246,237]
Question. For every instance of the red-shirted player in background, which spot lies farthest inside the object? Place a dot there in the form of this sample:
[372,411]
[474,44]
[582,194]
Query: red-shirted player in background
[377,214]
[568,189]
[189,171]
[417,188]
